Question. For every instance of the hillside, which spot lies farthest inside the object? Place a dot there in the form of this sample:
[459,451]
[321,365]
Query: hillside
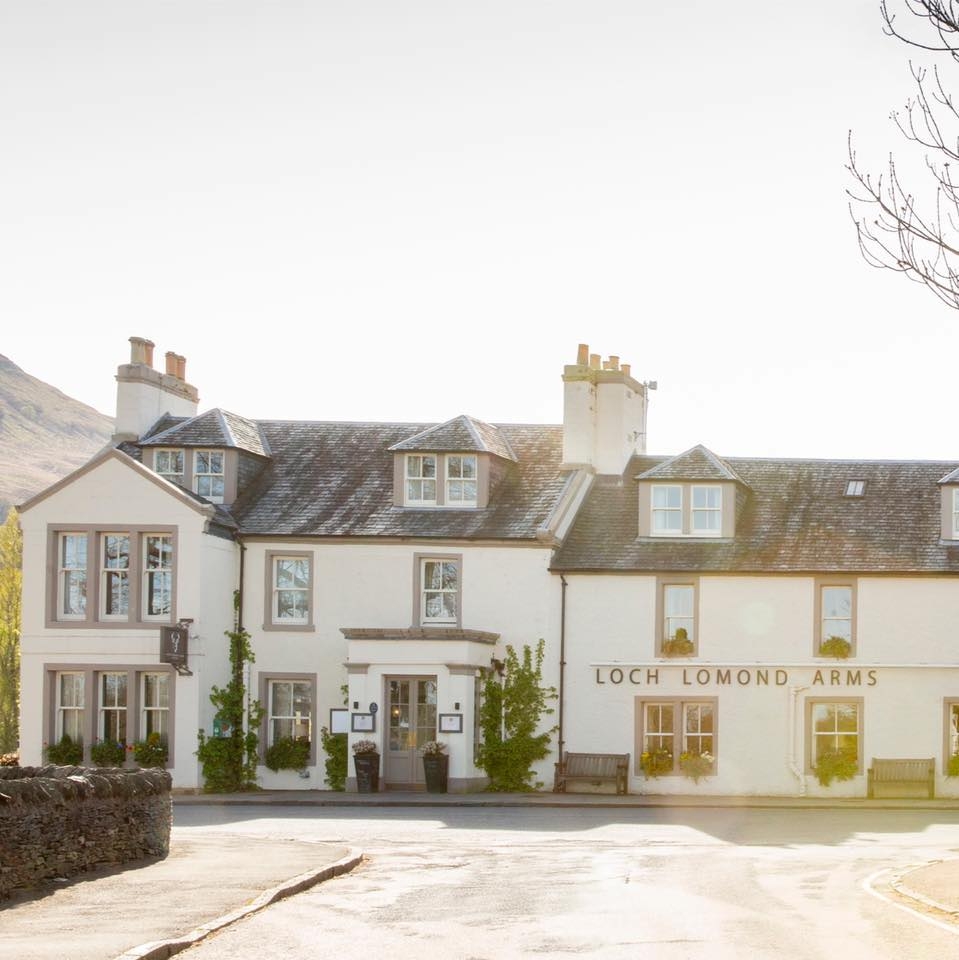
[43,434]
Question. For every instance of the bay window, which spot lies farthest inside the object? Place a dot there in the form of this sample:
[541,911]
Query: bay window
[461,480]
[72,576]
[112,577]
[157,574]
[70,705]
[155,705]
[169,464]
[115,575]
[113,707]
[209,476]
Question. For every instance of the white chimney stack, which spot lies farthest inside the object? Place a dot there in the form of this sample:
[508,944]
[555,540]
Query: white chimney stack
[604,413]
[144,394]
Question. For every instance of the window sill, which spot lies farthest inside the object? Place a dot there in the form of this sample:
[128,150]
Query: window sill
[289,627]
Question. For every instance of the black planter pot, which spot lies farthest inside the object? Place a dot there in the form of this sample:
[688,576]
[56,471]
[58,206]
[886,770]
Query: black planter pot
[367,772]
[437,770]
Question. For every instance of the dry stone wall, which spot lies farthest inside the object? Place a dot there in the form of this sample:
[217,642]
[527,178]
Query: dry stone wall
[60,821]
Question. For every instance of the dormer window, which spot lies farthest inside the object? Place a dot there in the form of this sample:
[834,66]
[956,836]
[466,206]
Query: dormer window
[169,464]
[668,510]
[686,510]
[208,474]
[450,480]
[421,479]
[461,480]
[707,511]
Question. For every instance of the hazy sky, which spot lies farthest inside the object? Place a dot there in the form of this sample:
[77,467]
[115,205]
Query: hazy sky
[407,210]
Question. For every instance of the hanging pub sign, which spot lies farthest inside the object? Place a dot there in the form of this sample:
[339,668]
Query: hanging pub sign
[173,645]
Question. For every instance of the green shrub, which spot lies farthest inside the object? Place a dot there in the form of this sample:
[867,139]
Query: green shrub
[337,765]
[288,753]
[679,645]
[108,753]
[656,763]
[838,647]
[952,767]
[509,720]
[836,765]
[67,753]
[151,752]
[696,765]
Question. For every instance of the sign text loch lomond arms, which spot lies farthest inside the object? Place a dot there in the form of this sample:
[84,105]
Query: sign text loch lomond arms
[734,676]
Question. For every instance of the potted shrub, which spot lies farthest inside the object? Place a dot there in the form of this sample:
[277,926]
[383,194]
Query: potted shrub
[836,765]
[287,753]
[838,647]
[67,752]
[436,766]
[108,753]
[366,760]
[151,752]
[696,765]
[679,645]
[655,763]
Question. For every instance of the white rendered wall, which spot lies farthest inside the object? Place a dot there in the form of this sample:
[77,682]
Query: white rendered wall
[756,661]
[114,494]
[505,590]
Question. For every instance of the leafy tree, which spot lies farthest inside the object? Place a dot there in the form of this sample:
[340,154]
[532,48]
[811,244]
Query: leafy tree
[907,216]
[11,578]
[510,716]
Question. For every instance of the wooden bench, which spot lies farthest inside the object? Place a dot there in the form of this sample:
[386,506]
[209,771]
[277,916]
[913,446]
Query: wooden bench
[594,768]
[902,778]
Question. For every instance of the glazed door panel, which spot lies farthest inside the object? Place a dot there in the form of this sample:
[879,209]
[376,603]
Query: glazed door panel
[411,722]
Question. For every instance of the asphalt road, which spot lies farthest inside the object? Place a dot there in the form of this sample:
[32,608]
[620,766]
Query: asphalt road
[486,884]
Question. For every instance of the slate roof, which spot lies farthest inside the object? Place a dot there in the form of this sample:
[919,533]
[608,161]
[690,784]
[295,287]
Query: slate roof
[697,463]
[336,479]
[462,434]
[213,428]
[795,518]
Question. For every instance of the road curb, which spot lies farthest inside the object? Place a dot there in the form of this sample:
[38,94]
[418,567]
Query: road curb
[162,949]
[897,883]
[534,802]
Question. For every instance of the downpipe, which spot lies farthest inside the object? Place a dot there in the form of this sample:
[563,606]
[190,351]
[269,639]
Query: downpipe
[794,766]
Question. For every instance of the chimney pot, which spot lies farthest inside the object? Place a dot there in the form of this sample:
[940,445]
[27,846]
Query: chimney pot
[170,363]
[582,355]
[181,367]
[141,351]
[594,359]
[613,362]
[626,368]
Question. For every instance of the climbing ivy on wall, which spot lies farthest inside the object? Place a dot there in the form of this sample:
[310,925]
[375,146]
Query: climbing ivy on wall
[229,762]
[510,717]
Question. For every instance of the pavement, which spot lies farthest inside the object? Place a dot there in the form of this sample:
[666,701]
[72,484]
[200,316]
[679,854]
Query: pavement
[153,909]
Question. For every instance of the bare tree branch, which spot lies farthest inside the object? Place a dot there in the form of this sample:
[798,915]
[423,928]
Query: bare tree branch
[894,230]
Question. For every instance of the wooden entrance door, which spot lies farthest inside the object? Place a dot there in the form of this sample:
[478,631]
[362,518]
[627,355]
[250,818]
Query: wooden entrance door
[411,719]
